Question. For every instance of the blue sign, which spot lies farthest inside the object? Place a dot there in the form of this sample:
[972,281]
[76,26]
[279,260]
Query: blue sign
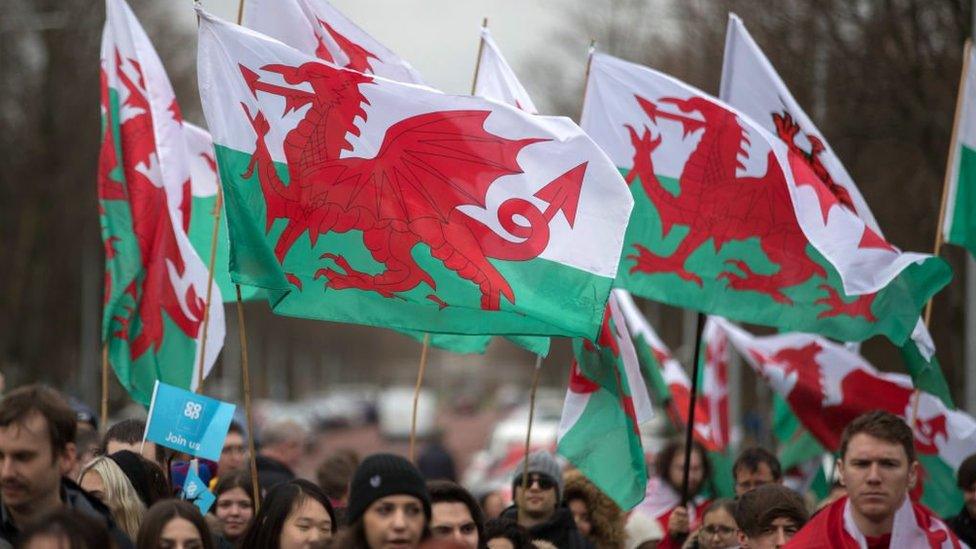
[188,422]
[196,492]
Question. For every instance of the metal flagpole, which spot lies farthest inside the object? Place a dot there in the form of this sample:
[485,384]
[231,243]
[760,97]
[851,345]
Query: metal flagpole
[690,427]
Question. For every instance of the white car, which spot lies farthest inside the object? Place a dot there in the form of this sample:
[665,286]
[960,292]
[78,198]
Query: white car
[395,409]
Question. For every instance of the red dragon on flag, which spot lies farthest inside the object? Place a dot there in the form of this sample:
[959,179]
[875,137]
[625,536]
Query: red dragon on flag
[717,204]
[152,226]
[427,166]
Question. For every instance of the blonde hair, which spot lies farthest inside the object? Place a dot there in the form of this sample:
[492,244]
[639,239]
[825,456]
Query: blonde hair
[120,496]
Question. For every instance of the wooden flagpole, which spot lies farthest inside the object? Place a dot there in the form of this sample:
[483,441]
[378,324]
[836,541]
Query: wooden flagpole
[210,282]
[416,395]
[690,427]
[105,375]
[950,159]
[246,382]
[528,430]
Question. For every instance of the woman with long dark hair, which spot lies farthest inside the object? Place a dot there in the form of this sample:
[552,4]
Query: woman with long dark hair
[234,507]
[174,524]
[295,514]
[388,505]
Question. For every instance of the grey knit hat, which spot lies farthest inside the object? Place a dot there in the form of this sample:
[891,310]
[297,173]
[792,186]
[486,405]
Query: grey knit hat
[542,463]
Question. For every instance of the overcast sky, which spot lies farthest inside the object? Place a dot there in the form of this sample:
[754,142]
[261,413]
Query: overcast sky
[440,37]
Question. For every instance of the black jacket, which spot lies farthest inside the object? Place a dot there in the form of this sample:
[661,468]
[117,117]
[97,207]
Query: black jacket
[272,472]
[964,526]
[560,530]
[75,498]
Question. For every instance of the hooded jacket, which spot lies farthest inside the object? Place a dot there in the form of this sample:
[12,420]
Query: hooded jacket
[560,530]
[605,515]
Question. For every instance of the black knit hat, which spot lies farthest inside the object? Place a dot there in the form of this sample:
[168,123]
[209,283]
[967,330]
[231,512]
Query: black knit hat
[381,475]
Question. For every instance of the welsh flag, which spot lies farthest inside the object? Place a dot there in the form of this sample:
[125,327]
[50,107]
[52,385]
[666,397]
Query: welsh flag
[674,387]
[358,199]
[599,431]
[728,220]
[199,208]
[959,227]
[825,385]
[320,30]
[751,85]
[155,283]
[496,80]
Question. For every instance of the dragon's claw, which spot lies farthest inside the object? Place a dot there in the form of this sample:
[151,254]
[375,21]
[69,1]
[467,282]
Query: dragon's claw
[648,262]
[751,281]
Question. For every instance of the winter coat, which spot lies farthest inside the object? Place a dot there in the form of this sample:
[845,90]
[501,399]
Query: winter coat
[272,472]
[605,515]
[74,498]
[964,526]
[560,530]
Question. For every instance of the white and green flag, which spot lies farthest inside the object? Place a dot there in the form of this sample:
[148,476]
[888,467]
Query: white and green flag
[959,227]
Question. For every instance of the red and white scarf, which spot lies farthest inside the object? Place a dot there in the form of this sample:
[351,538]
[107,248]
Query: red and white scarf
[914,526]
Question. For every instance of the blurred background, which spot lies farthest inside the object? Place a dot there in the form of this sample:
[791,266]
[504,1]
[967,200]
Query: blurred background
[879,78]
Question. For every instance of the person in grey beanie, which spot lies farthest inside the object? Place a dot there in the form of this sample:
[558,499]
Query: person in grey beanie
[538,503]
[389,505]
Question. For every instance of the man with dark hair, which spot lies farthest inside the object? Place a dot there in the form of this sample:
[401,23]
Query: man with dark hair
[37,447]
[128,435]
[768,516]
[234,453]
[964,524]
[538,491]
[455,515]
[877,465]
[755,467]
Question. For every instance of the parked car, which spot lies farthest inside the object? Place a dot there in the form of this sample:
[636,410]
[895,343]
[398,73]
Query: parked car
[395,410]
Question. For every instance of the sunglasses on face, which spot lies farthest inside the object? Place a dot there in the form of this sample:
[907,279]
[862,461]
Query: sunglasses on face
[544,482]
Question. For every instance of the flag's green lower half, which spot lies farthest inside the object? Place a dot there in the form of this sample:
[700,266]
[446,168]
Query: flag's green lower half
[603,446]
[201,236]
[926,374]
[962,231]
[477,344]
[173,362]
[550,298]
[941,493]
[817,304]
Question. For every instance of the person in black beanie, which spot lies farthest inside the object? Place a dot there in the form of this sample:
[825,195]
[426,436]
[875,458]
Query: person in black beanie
[146,477]
[388,505]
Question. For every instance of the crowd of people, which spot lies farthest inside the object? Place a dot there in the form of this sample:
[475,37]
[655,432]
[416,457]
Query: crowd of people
[62,487]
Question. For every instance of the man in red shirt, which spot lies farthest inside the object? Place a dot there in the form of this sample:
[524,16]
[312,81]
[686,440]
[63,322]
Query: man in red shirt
[878,466]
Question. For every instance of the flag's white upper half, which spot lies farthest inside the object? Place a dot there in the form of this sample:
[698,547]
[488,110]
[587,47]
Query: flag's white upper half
[203,168]
[496,80]
[751,85]
[592,244]
[316,28]
[124,42]
[671,370]
[611,104]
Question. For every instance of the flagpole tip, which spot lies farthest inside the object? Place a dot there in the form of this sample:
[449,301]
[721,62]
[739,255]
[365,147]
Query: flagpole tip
[484,22]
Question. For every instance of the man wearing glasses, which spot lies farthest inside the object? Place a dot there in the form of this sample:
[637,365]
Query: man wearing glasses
[538,505]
